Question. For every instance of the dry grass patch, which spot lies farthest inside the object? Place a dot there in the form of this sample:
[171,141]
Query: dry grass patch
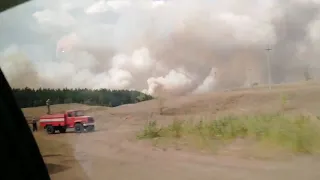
[299,134]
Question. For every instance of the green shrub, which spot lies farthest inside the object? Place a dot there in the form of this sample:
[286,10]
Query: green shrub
[298,134]
[176,127]
[151,130]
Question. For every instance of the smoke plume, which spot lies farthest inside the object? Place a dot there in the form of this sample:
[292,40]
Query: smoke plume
[182,46]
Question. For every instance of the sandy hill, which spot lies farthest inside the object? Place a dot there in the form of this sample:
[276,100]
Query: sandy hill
[292,98]
[298,98]
[59,108]
[114,149]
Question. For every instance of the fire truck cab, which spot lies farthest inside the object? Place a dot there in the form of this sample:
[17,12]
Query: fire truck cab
[69,119]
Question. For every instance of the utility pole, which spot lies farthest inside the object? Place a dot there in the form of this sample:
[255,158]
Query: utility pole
[249,77]
[269,73]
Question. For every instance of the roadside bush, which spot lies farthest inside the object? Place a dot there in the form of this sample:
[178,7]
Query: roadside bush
[298,134]
[176,128]
[151,130]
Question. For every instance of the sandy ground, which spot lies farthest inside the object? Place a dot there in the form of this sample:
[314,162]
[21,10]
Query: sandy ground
[113,152]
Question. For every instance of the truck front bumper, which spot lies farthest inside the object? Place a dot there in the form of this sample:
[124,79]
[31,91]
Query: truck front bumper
[88,124]
[89,127]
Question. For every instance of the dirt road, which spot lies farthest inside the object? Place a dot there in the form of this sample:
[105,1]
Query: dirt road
[113,152]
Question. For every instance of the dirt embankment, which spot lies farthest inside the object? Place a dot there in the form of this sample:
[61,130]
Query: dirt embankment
[113,152]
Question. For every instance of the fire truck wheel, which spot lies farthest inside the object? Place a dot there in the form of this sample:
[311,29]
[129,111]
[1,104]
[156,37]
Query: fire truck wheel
[90,128]
[78,128]
[50,129]
[62,130]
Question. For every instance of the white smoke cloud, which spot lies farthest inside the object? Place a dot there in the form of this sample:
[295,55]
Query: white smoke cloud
[53,18]
[181,46]
[16,67]
[103,6]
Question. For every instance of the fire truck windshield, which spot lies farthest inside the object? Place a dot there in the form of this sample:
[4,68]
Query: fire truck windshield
[79,113]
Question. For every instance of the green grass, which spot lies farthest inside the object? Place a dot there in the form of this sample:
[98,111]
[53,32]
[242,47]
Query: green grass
[151,130]
[297,134]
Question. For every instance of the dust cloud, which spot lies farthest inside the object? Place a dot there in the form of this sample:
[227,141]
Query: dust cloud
[182,46]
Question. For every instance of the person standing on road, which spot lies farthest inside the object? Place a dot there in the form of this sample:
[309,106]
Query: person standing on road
[34,125]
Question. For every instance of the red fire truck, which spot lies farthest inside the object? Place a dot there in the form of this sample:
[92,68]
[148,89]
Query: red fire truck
[69,119]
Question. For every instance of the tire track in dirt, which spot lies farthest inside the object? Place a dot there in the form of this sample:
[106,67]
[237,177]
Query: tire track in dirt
[112,155]
[113,152]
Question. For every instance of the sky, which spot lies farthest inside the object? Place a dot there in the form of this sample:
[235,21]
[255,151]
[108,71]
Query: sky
[178,45]
[35,27]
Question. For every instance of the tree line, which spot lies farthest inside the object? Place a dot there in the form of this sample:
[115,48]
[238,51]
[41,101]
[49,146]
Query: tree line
[27,97]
